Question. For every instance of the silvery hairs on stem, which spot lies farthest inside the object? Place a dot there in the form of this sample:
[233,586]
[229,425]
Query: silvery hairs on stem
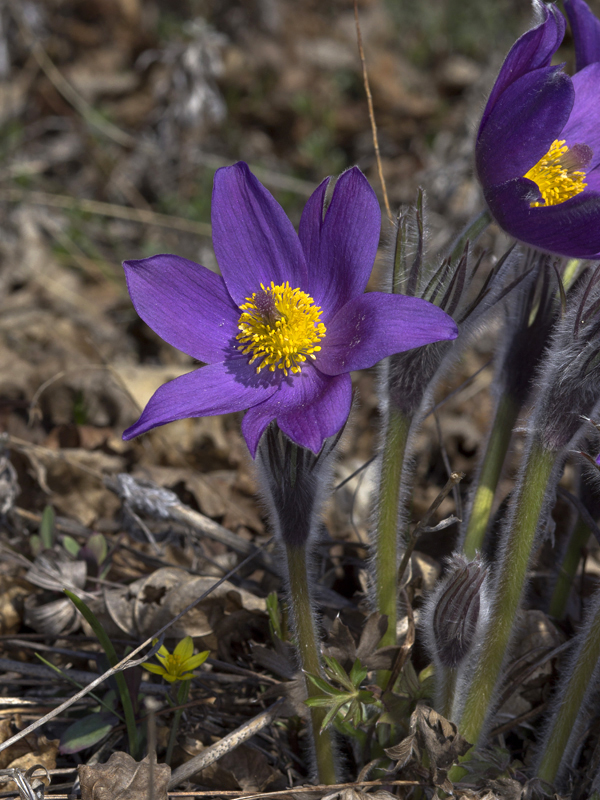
[294,484]
[569,377]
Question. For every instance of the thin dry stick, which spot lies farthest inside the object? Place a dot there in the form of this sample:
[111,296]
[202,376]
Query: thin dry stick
[124,663]
[225,745]
[372,114]
[312,789]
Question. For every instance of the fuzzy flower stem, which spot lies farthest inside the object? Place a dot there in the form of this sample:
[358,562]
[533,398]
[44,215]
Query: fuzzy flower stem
[447,684]
[500,432]
[570,701]
[386,554]
[508,589]
[182,696]
[560,595]
[309,656]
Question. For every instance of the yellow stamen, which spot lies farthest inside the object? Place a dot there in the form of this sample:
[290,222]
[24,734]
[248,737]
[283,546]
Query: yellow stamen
[556,174]
[280,326]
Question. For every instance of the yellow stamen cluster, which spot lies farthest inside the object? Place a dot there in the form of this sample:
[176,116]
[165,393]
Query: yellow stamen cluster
[556,177]
[280,326]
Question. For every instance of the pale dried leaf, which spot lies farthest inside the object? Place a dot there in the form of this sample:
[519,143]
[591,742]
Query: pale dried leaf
[123,778]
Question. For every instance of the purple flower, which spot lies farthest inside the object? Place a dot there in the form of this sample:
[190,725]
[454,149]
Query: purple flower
[289,319]
[538,147]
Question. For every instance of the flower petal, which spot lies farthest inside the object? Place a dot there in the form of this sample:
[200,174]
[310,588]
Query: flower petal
[340,247]
[309,408]
[186,304]
[254,241]
[184,649]
[568,229]
[196,660]
[583,126]
[154,668]
[377,325]
[215,389]
[586,32]
[527,118]
[531,51]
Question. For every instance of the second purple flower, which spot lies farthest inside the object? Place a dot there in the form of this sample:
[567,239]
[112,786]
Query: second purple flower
[538,146]
[288,320]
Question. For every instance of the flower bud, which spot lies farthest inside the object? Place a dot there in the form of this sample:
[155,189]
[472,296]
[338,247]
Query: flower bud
[456,611]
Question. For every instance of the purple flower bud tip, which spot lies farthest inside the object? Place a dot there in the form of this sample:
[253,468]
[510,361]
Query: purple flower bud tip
[289,319]
[538,147]
[458,609]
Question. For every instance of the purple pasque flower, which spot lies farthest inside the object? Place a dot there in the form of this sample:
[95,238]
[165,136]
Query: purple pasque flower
[538,147]
[288,321]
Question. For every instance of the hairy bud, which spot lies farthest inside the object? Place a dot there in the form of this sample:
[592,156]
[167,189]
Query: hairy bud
[456,610]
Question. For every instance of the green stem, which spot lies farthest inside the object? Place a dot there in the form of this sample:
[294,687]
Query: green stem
[491,467]
[309,656]
[562,589]
[183,692]
[570,702]
[509,588]
[447,688]
[386,553]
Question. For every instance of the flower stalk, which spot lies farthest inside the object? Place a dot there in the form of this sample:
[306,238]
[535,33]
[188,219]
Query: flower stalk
[569,700]
[501,428]
[386,553]
[183,692]
[512,566]
[310,661]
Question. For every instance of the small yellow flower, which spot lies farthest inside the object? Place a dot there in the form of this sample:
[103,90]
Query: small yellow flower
[178,665]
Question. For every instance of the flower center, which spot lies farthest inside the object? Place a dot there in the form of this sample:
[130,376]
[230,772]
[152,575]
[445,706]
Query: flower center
[280,326]
[559,174]
[173,664]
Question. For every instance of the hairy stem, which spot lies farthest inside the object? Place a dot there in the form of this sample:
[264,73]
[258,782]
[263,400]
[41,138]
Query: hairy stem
[309,656]
[491,467]
[520,538]
[386,554]
[569,702]
[568,568]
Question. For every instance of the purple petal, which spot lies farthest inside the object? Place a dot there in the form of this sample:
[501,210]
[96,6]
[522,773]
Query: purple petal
[377,325]
[583,126]
[526,120]
[254,241]
[186,304]
[341,246]
[568,229]
[531,51]
[308,409]
[215,389]
[586,32]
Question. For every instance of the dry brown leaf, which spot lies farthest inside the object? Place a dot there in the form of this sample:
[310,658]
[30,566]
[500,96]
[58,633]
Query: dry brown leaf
[124,778]
[245,768]
[151,602]
[13,591]
[27,752]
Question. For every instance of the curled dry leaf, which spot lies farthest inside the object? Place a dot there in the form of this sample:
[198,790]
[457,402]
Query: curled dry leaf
[151,602]
[438,737]
[124,778]
[25,753]
[54,570]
